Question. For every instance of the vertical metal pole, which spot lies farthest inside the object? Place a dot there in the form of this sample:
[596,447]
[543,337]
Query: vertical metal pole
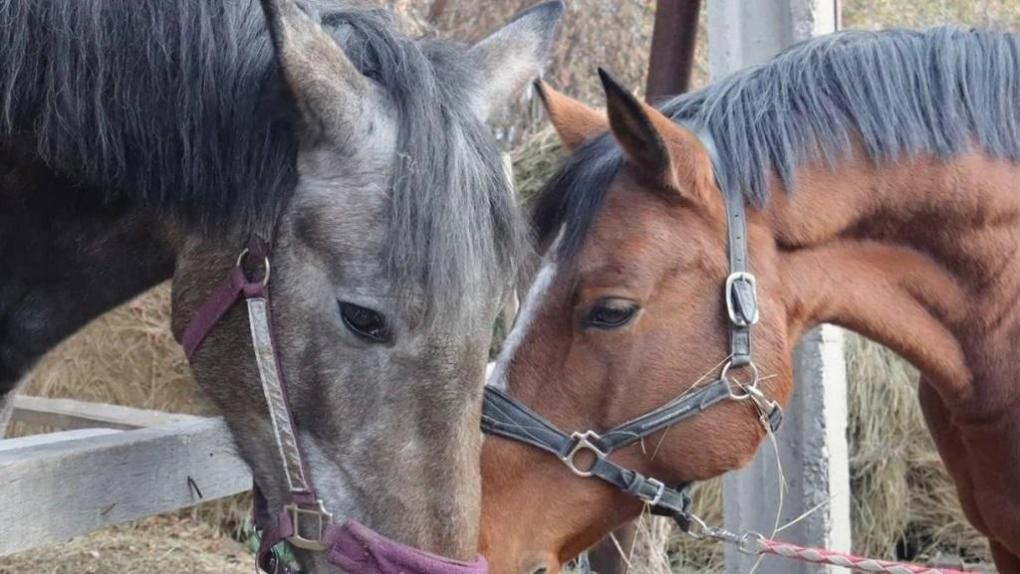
[673,42]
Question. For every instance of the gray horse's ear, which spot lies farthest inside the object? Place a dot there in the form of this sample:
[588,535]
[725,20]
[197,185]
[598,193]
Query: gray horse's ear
[330,92]
[511,58]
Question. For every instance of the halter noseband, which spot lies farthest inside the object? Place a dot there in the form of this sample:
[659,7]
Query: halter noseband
[504,416]
[304,522]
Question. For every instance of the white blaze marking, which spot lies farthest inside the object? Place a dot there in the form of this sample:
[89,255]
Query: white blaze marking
[532,303]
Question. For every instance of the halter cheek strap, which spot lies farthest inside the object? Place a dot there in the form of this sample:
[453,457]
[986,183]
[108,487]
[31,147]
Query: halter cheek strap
[304,522]
[741,288]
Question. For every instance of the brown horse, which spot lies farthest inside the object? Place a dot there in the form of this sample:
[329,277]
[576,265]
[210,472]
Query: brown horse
[882,171]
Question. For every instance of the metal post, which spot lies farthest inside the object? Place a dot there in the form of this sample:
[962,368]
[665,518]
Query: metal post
[812,444]
[673,42]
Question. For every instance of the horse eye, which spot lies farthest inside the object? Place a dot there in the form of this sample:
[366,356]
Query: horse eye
[612,313]
[364,323]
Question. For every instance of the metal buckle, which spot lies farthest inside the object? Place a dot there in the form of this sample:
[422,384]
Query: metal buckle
[322,519]
[731,294]
[582,442]
[660,490]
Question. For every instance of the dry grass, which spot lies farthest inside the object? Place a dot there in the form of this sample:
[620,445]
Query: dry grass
[877,14]
[126,357]
[902,495]
[160,544]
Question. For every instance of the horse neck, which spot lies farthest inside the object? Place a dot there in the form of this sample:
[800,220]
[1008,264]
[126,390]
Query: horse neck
[67,256]
[920,255]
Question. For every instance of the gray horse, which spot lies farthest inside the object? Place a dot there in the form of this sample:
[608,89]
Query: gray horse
[143,141]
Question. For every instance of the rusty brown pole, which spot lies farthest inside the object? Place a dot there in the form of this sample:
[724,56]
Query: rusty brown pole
[669,73]
[673,41]
[436,10]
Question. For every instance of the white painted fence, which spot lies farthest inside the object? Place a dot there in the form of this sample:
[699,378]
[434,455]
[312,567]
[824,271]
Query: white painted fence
[812,442]
[118,464]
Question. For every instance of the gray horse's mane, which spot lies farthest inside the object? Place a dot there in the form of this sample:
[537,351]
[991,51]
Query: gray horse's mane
[178,105]
[454,224]
[895,93]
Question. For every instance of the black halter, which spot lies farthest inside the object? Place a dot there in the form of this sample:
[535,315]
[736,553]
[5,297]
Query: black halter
[504,416]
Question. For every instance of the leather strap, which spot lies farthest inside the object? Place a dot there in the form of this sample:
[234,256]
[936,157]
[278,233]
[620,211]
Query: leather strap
[666,499]
[212,311]
[502,415]
[275,392]
[358,549]
[663,417]
[236,286]
[740,287]
[505,416]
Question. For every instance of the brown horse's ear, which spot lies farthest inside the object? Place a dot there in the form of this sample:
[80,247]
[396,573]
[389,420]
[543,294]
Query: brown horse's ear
[574,122]
[667,153]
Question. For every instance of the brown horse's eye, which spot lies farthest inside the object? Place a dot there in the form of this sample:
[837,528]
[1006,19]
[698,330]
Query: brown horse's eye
[612,313]
[365,323]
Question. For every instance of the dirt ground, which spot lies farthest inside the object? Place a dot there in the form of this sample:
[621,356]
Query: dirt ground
[160,545]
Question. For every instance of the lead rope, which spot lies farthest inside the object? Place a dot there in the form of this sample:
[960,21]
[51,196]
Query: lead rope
[755,544]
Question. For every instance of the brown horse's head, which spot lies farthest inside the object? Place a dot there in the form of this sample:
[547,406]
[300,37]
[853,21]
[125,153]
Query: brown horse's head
[626,314]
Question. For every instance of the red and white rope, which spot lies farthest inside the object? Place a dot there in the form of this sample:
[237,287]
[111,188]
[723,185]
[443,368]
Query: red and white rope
[762,545]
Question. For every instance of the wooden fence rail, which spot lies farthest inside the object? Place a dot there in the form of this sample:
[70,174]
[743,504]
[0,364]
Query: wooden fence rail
[60,485]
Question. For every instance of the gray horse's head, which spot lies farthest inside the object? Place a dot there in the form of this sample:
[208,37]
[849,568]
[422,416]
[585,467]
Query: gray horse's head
[389,263]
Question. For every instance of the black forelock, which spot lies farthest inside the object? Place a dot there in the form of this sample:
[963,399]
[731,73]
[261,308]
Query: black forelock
[571,199]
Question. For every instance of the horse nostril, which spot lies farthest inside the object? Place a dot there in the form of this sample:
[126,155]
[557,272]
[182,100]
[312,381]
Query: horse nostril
[540,570]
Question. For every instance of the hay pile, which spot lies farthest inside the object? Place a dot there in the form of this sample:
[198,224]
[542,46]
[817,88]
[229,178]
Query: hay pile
[126,357]
[159,544]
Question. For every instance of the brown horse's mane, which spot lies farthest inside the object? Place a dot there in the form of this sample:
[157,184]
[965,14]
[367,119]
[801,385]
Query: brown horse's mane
[894,94]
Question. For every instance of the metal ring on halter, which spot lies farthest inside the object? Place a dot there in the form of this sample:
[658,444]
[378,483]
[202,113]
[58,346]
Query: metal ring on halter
[240,262]
[747,389]
[582,443]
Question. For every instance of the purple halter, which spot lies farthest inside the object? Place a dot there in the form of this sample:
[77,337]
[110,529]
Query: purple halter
[304,522]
